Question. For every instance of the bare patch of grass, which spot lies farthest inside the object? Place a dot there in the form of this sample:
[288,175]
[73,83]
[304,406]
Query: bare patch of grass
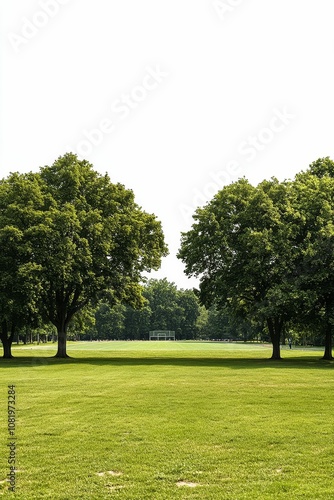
[187,483]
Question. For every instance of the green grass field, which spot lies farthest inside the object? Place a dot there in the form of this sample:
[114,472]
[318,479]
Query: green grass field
[169,420]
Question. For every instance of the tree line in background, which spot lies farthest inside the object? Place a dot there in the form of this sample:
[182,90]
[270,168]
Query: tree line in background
[165,308]
[74,247]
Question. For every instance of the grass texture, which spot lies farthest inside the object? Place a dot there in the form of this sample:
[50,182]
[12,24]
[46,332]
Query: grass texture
[168,420]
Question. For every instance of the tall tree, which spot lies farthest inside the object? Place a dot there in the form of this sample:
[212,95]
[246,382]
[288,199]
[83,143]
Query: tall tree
[314,199]
[85,236]
[99,243]
[21,208]
[240,248]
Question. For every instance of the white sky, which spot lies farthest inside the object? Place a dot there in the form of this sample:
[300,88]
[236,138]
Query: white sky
[187,95]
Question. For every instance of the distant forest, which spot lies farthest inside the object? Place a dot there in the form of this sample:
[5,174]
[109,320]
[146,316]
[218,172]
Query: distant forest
[167,308]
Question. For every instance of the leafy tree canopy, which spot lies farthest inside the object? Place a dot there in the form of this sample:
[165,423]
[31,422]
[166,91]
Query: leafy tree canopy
[240,248]
[89,239]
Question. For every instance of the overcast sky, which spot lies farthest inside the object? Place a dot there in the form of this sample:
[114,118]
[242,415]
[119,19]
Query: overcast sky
[173,98]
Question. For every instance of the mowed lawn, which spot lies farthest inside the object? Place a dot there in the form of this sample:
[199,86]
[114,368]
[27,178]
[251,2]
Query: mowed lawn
[169,420]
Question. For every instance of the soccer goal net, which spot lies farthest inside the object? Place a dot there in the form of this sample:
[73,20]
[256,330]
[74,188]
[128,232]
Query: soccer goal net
[161,335]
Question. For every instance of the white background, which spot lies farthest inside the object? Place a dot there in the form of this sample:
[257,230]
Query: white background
[230,69]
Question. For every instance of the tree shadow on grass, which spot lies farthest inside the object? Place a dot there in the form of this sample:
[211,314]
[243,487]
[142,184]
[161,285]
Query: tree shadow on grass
[301,362]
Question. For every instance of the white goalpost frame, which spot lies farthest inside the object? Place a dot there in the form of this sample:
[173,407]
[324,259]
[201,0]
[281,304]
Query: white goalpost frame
[161,335]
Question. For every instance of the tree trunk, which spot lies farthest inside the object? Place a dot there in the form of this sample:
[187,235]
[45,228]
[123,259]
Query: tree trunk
[328,342]
[275,326]
[62,338]
[6,341]
[7,348]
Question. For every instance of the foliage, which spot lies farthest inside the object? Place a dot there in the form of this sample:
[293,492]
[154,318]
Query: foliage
[21,208]
[100,242]
[162,298]
[109,321]
[222,325]
[89,241]
[137,322]
[82,323]
[314,199]
[240,248]
[74,248]
[189,304]
[165,308]
[265,253]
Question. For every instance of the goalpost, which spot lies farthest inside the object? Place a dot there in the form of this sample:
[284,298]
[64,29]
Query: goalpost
[161,335]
